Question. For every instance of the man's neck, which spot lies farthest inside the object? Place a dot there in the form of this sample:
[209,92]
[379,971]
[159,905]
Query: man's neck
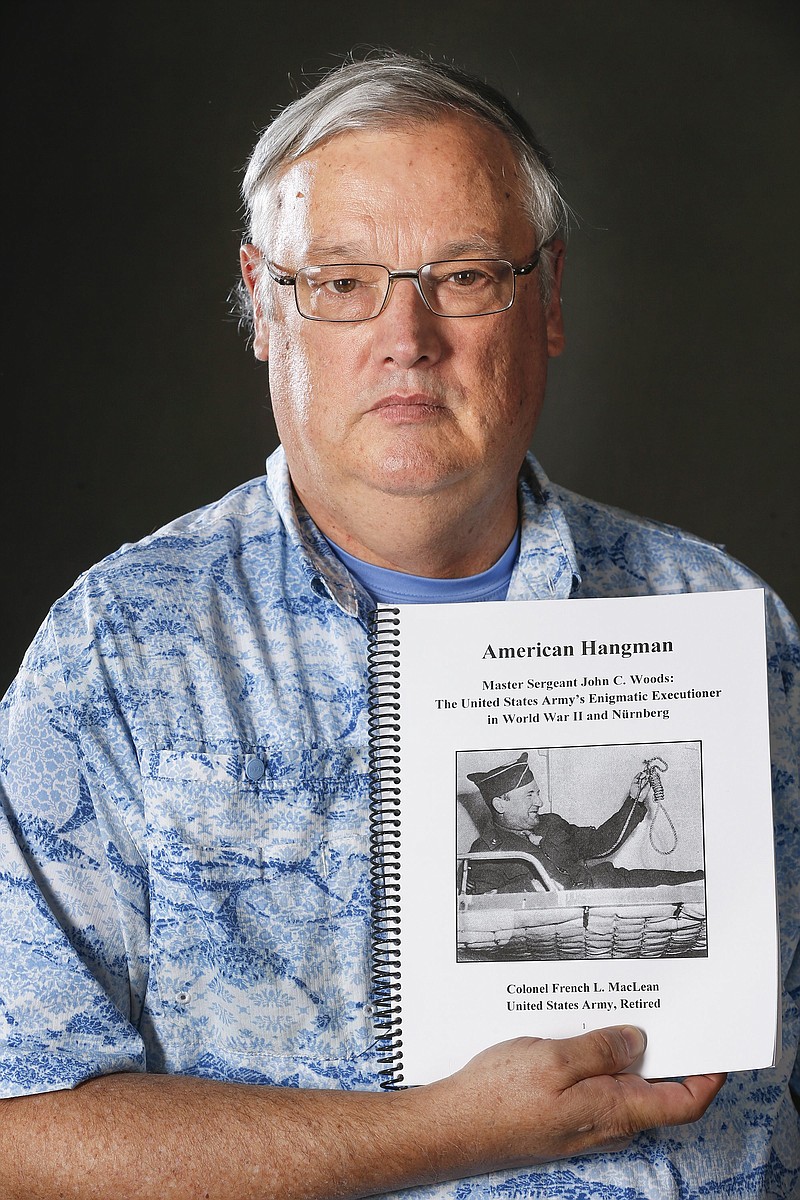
[421,535]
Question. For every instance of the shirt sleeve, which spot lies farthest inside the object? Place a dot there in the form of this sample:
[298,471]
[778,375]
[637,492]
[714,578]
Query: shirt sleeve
[73,898]
[613,833]
[783,676]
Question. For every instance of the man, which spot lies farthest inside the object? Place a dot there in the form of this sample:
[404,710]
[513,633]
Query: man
[511,794]
[185,991]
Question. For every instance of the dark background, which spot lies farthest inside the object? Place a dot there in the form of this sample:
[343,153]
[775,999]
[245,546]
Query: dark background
[129,396]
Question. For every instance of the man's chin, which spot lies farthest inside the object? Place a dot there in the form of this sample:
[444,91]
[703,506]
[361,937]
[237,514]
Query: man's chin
[416,474]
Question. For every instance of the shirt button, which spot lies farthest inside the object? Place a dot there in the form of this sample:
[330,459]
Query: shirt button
[254,770]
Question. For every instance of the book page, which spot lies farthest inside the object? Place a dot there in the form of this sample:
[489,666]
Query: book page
[586,830]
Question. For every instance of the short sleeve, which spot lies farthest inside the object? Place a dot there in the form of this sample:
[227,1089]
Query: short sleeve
[72,899]
[783,663]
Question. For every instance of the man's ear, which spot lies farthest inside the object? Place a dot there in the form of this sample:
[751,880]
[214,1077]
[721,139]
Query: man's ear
[553,315]
[252,270]
[498,804]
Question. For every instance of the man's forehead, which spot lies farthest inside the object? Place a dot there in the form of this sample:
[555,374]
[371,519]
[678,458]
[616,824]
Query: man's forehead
[451,136]
[477,245]
[454,179]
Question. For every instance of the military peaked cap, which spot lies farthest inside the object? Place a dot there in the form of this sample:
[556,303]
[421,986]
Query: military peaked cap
[501,780]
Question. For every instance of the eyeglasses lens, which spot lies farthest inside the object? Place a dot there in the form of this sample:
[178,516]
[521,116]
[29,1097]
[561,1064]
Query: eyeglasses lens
[357,292]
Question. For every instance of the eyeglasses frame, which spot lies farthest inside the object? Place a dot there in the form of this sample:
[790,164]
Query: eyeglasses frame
[284,280]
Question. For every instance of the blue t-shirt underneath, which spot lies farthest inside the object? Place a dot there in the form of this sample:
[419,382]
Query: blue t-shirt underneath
[395,587]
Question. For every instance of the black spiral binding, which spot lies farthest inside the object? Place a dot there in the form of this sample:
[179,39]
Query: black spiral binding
[383,657]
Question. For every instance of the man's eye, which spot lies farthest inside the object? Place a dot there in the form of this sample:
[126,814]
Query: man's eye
[464,278]
[342,287]
[467,279]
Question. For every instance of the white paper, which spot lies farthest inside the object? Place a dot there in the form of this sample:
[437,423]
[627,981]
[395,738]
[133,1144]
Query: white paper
[687,686]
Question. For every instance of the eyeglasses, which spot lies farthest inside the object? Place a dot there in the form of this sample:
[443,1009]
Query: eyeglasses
[467,287]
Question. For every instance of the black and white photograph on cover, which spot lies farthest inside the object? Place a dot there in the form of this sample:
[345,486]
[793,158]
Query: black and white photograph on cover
[579,852]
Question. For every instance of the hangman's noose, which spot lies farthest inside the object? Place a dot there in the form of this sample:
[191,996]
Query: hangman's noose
[651,773]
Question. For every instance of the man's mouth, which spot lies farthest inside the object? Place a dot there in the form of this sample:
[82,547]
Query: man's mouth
[407,406]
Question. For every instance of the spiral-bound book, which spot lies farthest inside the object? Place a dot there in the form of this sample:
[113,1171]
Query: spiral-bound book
[572,828]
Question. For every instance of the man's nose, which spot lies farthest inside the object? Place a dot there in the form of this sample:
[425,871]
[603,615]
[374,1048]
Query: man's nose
[407,333]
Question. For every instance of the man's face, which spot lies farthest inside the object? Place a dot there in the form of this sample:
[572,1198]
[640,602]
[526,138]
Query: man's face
[519,810]
[406,404]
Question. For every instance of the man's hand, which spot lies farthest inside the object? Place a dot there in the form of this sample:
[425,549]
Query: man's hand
[642,790]
[523,1102]
[553,1099]
[639,786]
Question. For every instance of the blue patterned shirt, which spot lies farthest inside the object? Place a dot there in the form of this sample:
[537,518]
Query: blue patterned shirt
[184,824]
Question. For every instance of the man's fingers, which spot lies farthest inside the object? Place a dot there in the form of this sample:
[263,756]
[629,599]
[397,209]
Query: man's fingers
[551,1098]
[601,1052]
[685,1100]
[627,1103]
[635,1104]
[585,1063]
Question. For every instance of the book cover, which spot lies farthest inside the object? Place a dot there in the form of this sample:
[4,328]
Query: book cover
[572,827]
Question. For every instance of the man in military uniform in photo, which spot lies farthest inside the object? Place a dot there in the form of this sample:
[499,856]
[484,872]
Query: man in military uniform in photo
[566,851]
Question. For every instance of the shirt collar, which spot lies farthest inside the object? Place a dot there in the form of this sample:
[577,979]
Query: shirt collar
[547,567]
[324,571]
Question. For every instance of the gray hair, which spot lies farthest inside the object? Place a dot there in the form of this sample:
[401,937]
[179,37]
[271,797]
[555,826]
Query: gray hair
[389,90]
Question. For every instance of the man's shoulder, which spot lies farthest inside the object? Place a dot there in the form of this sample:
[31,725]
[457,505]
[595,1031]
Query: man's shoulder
[611,552]
[168,567]
[199,535]
[619,551]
